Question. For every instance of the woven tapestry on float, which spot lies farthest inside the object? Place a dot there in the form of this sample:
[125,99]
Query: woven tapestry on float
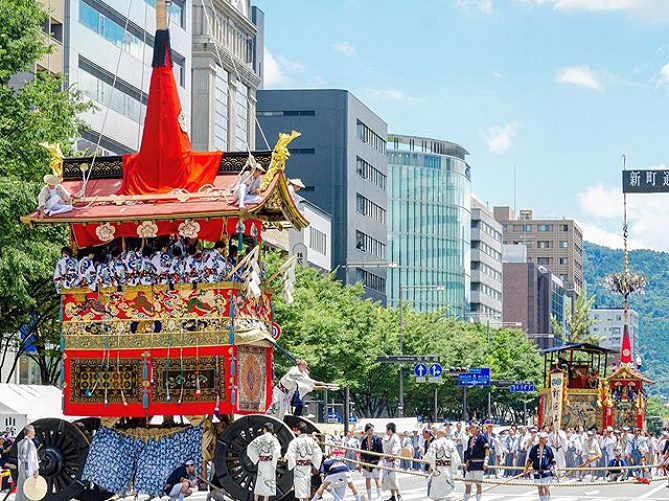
[252,382]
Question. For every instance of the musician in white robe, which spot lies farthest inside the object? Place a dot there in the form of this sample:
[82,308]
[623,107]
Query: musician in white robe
[265,451]
[444,462]
[28,461]
[246,189]
[66,274]
[303,454]
[296,379]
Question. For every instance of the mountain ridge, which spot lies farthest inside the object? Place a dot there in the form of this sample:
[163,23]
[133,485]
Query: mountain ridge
[652,307]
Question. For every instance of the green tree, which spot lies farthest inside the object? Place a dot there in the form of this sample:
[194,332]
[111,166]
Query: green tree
[656,413]
[579,322]
[34,107]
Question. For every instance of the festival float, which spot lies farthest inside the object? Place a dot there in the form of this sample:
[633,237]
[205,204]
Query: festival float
[577,389]
[167,372]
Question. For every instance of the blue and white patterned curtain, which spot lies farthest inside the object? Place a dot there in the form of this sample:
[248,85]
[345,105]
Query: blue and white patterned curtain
[115,460]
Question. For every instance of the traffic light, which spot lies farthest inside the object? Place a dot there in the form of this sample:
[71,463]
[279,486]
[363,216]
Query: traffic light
[458,370]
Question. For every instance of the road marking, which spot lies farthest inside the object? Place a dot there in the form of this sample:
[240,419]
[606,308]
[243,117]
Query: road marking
[591,493]
[653,491]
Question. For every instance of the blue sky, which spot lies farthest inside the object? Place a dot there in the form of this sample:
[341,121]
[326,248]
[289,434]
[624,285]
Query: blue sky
[558,88]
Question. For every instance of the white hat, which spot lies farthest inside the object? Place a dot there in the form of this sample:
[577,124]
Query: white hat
[35,488]
[296,182]
[52,180]
[543,434]
[590,433]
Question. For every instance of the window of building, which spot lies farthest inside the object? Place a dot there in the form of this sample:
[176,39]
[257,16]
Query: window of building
[365,243]
[545,227]
[96,83]
[111,26]
[543,244]
[242,125]
[302,151]
[367,135]
[287,113]
[221,115]
[370,209]
[564,244]
[317,241]
[527,227]
[367,171]
[564,227]
[371,280]
[543,261]
[564,261]
[176,11]
[564,278]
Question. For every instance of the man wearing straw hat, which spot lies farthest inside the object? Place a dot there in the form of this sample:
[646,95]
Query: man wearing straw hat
[295,185]
[28,461]
[542,460]
[246,188]
[54,198]
[444,463]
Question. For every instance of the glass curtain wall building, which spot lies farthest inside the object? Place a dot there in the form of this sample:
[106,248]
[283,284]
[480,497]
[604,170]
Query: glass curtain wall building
[429,222]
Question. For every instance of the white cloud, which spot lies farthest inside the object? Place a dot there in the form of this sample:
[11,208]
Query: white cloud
[662,78]
[392,94]
[500,139]
[344,47]
[602,217]
[579,75]
[470,5]
[282,72]
[648,10]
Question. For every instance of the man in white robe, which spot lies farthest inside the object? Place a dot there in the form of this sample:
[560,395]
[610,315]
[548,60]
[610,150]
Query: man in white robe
[392,447]
[559,442]
[296,379]
[444,463]
[66,274]
[28,461]
[265,451]
[303,455]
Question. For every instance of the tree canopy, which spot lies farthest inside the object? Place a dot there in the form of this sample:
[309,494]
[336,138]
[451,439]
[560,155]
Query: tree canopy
[34,107]
[341,335]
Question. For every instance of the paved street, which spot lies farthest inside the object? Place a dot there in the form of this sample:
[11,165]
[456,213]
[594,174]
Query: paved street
[413,489]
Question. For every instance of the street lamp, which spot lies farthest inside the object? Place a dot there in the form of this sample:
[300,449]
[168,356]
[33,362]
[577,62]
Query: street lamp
[403,288]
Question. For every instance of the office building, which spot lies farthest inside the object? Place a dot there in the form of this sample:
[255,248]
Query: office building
[428,224]
[556,244]
[486,264]
[610,326]
[53,27]
[227,68]
[532,295]
[341,158]
[312,245]
[107,55]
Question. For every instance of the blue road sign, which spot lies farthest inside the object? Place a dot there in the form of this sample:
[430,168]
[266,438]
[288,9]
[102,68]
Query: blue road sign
[521,387]
[436,370]
[420,370]
[477,376]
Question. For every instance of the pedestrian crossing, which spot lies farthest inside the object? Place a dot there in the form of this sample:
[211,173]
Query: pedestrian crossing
[414,489]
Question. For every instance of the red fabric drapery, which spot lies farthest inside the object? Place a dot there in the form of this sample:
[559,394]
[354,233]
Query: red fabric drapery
[165,160]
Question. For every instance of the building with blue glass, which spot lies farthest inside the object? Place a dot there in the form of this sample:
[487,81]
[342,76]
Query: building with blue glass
[429,223]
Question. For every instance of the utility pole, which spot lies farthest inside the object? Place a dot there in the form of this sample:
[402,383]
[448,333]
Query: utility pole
[347,407]
[400,407]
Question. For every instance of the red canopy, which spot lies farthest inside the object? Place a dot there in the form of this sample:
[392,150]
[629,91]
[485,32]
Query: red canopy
[165,160]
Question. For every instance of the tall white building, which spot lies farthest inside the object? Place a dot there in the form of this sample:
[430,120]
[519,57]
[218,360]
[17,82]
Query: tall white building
[227,72]
[486,265]
[610,327]
[108,50]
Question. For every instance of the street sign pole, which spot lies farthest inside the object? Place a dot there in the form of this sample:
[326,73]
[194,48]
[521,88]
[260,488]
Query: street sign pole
[347,405]
[436,402]
[464,403]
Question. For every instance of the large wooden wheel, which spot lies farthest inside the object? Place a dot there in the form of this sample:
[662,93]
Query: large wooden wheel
[291,421]
[62,448]
[235,472]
